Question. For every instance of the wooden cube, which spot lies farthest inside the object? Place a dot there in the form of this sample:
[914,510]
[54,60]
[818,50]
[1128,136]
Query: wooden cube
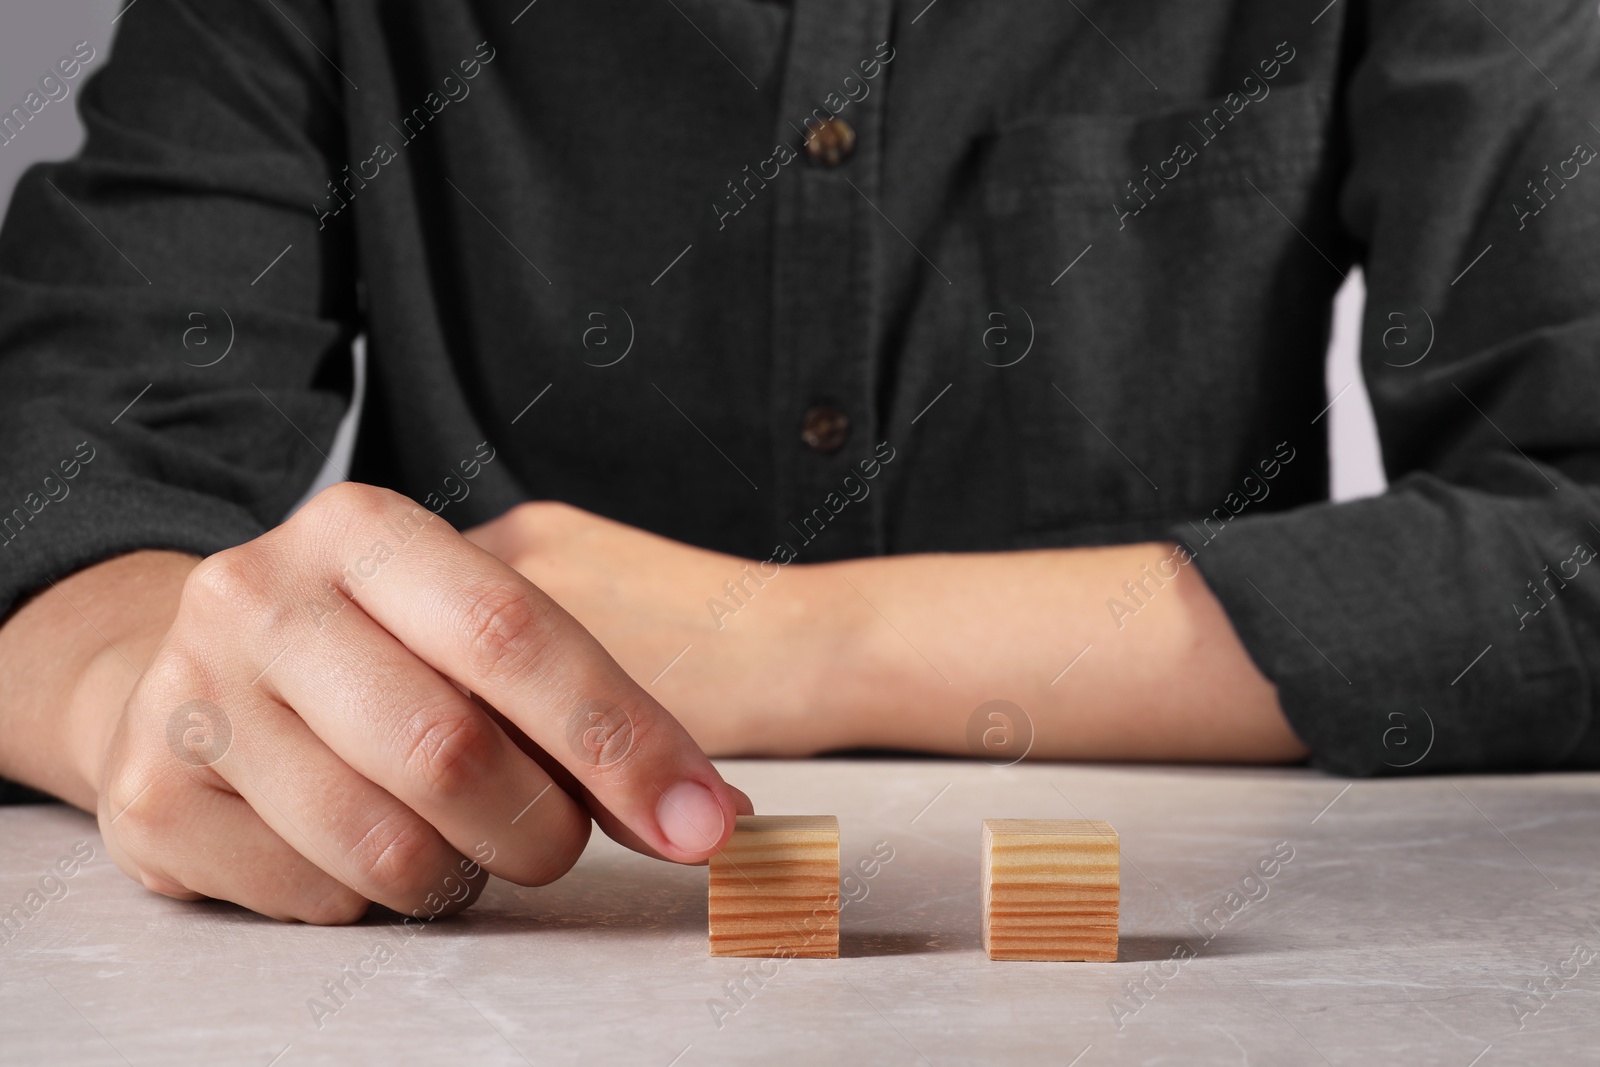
[1051,889]
[774,888]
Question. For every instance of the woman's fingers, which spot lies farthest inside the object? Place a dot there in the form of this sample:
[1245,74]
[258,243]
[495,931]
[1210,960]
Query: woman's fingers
[220,848]
[474,619]
[614,827]
[336,818]
[402,726]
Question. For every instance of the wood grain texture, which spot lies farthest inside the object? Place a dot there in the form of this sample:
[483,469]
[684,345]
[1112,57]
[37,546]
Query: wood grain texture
[774,888]
[1051,889]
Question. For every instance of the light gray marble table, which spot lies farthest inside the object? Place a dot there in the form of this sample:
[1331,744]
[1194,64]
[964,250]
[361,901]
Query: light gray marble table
[1445,921]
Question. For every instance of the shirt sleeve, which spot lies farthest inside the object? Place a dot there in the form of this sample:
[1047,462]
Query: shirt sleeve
[1453,623]
[174,322]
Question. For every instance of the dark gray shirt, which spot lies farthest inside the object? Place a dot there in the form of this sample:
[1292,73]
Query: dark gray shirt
[1054,274]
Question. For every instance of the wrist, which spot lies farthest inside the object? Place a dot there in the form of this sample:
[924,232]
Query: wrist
[847,682]
[70,657]
[806,666]
[91,715]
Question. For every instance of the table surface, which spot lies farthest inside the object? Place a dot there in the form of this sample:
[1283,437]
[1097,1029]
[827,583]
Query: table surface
[1446,921]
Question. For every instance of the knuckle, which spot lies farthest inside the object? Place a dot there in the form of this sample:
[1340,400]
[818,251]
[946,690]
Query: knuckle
[340,906]
[559,843]
[348,509]
[505,630]
[395,858]
[646,726]
[145,813]
[226,582]
[176,674]
[177,714]
[231,593]
[603,735]
[350,501]
[447,749]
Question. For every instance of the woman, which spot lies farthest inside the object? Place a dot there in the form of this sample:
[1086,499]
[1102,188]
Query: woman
[774,309]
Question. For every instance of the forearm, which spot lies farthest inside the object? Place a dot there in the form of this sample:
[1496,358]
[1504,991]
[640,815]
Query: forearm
[936,636]
[69,658]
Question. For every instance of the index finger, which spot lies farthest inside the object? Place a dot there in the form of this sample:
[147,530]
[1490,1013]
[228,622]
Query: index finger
[476,620]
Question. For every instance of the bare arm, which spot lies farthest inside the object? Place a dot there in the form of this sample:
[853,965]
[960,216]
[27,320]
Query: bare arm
[898,652]
[69,659]
[1168,681]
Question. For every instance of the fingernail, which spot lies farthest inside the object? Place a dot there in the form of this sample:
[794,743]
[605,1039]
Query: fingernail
[691,817]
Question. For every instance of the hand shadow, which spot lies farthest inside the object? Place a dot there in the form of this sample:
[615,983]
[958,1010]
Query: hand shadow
[617,893]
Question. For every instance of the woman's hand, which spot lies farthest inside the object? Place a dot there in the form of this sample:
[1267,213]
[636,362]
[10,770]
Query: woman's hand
[302,741]
[744,654]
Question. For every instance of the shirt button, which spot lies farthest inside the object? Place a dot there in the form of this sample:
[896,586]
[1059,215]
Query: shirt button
[831,142]
[825,428]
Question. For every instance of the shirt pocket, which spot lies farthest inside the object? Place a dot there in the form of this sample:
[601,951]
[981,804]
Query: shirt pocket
[1172,308]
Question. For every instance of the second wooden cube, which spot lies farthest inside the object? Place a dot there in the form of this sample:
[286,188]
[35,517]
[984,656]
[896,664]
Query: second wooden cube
[1051,889]
[774,888]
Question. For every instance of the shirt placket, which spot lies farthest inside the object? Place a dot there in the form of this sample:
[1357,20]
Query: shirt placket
[824,340]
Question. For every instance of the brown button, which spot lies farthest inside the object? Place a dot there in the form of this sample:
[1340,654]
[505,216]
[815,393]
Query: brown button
[825,428]
[831,142]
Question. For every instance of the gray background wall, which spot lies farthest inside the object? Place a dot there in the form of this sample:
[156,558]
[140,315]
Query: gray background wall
[33,33]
